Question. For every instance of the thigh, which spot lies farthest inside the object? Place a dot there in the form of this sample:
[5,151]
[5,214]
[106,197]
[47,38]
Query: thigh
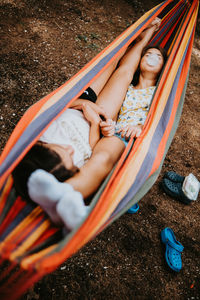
[98,84]
[114,92]
[112,146]
[106,153]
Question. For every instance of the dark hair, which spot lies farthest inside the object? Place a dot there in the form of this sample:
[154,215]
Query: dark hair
[164,55]
[39,157]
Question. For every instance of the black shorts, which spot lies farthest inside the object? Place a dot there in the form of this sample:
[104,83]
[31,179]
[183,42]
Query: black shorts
[89,94]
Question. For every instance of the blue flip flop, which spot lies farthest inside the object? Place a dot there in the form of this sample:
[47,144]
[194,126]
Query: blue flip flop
[133,209]
[173,249]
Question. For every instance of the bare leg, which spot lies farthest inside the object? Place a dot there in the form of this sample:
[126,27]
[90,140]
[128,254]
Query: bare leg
[99,165]
[102,79]
[114,92]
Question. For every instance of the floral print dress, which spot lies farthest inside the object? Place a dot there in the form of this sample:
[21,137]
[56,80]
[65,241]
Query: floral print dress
[135,107]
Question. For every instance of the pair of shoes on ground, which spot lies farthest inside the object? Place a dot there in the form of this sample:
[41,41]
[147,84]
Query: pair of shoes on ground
[186,190]
[173,184]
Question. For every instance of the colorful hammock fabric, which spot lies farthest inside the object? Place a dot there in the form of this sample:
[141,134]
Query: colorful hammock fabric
[30,245]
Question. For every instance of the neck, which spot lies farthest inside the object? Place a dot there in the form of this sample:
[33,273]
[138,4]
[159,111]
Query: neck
[145,82]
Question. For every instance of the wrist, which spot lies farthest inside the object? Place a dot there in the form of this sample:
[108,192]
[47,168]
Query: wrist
[95,123]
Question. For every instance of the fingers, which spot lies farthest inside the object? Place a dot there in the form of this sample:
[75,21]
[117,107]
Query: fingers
[88,109]
[107,127]
[108,133]
[123,131]
[103,113]
[156,23]
[130,131]
[138,133]
[86,106]
[126,132]
[104,124]
[108,122]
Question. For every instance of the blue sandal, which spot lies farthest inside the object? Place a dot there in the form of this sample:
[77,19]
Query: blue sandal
[173,249]
[133,209]
[174,189]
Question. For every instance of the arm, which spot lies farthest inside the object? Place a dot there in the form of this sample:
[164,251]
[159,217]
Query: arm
[94,135]
[132,58]
[80,103]
[94,120]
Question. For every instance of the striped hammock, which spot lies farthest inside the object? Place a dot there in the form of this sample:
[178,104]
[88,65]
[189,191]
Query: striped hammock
[30,245]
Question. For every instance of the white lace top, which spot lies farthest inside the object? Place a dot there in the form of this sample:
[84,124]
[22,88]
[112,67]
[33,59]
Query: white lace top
[71,128]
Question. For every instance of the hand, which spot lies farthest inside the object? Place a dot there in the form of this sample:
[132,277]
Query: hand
[129,131]
[156,22]
[154,25]
[90,114]
[107,127]
[99,110]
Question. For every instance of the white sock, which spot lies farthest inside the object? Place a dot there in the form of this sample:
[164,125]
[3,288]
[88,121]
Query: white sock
[58,199]
[46,190]
[71,209]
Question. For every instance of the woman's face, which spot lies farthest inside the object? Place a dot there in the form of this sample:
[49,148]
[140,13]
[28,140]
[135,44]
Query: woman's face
[152,61]
[66,153]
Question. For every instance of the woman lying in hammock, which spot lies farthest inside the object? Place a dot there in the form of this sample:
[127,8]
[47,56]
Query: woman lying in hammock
[64,147]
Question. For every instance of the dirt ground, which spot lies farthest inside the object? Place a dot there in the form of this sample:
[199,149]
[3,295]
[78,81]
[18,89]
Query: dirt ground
[43,44]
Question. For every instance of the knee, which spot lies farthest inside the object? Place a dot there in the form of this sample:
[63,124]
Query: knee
[105,161]
[126,73]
